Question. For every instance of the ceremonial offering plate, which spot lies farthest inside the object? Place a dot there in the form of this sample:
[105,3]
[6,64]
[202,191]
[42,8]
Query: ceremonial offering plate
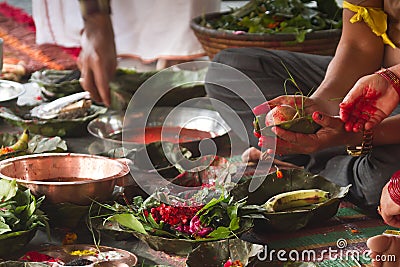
[88,255]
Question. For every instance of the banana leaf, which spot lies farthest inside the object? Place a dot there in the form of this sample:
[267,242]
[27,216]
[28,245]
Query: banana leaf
[52,127]
[304,125]
[220,252]
[185,247]
[293,179]
[36,144]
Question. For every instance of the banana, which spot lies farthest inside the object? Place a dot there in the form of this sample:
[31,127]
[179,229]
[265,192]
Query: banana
[296,199]
[20,145]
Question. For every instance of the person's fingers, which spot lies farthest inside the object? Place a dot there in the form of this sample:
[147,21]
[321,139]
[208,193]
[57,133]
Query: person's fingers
[87,82]
[379,243]
[251,154]
[266,141]
[327,121]
[391,220]
[375,263]
[261,109]
[345,111]
[103,75]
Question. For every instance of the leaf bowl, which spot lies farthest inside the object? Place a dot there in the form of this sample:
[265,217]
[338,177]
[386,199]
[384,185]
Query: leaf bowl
[293,179]
[200,252]
[57,83]
[14,241]
[305,125]
[175,246]
[52,127]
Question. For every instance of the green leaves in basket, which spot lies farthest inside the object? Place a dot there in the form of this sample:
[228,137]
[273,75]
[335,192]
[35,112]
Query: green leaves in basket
[20,217]
[280,16]
[19,209]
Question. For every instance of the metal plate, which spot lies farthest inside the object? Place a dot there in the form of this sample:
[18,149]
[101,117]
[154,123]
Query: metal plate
[103,256]
[108,128]
[10,90]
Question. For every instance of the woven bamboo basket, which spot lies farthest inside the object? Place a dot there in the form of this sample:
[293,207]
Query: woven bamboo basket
[323,42]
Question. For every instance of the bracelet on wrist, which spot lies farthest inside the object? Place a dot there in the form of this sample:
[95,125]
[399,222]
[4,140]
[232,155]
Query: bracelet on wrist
[90,7]
[391,77]
[364,148]
[394,187]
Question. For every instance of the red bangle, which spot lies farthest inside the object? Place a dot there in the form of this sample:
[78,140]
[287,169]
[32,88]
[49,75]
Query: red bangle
[394,188]
[391,78]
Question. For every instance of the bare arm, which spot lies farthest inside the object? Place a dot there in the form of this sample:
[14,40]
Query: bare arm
[387,132]
[359,53]
[97,60]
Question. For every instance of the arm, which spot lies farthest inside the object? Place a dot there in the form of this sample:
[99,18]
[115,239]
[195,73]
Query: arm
[390,202]
[97,59]
[359,52]
[387,132]
[331,134]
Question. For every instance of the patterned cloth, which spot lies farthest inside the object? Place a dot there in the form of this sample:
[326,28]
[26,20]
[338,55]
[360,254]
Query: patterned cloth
[17,30]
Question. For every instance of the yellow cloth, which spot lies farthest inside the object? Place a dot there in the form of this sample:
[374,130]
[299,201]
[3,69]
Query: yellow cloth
[375,18]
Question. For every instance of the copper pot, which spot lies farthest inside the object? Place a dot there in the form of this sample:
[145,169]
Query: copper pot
[66,177]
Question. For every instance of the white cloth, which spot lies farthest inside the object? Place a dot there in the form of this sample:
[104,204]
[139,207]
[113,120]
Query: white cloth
[145,29]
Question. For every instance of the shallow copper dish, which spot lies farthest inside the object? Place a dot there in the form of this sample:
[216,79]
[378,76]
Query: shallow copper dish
[66,177]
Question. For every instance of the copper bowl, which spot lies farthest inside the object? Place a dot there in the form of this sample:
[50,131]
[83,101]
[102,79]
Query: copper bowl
[66,177]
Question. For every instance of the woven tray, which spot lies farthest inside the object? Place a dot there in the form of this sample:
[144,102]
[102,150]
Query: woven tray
[322,42]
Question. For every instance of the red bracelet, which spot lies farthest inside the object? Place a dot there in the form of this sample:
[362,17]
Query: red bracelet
[391,78]
[394,188]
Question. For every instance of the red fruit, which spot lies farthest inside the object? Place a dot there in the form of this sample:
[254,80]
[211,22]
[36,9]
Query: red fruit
[279,114]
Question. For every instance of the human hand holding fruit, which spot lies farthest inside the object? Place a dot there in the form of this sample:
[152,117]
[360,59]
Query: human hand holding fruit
[332,133]
[288,112]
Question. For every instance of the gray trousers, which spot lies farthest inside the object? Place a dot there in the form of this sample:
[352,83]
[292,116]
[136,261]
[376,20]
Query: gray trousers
[266,68]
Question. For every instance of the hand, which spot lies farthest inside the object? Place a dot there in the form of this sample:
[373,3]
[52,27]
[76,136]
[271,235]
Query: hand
[296,101]
[370,101]
[97,60]
[389,210]
[331,134]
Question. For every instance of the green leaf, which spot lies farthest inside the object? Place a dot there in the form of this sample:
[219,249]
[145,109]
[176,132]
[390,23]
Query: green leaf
[234,224]
[129,221]
[8,189]
[4,228]
[329,7]
[40,144]
[220,233]
[152,222]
